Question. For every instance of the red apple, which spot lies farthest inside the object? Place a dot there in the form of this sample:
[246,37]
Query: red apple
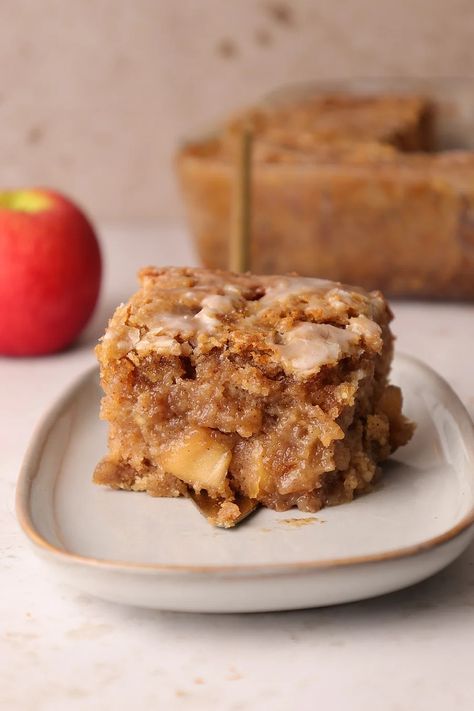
[50,271]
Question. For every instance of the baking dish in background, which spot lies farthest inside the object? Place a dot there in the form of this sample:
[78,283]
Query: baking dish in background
[358,211]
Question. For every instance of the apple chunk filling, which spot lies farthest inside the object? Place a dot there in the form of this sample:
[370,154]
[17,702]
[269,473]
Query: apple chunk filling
[200,460]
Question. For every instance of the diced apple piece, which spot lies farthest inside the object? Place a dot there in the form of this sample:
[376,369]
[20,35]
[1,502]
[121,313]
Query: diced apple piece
[199,460]
[257,473]
[258,476]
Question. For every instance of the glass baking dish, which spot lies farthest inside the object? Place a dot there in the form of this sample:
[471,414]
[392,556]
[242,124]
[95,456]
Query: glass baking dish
[369,214]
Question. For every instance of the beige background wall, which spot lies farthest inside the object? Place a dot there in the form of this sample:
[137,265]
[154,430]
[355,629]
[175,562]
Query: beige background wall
[94,94]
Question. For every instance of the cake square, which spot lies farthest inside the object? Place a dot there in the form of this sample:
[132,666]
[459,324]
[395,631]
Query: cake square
[272,388]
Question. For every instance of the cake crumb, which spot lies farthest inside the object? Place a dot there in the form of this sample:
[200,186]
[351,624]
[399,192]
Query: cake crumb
[298,522]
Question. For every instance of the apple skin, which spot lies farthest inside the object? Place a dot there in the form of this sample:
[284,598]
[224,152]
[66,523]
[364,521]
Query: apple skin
[50,272]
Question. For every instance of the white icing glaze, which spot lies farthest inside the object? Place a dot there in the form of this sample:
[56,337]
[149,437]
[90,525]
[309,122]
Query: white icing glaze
[129,337]
[309,346]
[174,324]
[155,342]
[369,330]
[281,289]
[207,319]
[340,299]
[232,289]
[218,303]
[213,306]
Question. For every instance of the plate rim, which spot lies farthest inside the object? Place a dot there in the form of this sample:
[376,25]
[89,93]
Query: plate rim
[37,442]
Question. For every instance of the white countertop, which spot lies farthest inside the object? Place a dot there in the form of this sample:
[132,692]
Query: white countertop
[63,650]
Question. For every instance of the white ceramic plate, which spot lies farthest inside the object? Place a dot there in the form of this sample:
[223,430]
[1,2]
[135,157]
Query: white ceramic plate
[161,553]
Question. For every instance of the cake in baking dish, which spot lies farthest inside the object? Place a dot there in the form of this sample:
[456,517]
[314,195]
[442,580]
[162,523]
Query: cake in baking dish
[361,213]
[405,121]
[345,187]
[272,388]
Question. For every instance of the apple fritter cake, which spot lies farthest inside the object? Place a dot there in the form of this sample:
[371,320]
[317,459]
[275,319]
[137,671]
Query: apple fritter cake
[273,388]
